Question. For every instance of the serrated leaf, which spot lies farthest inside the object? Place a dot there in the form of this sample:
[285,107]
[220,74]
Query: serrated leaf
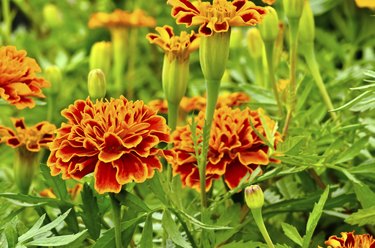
[353,151]
[292,233]
[314,218]
[32,233]
[90,212]
[171,228]
[364,195]
[58,240]
[147,233]
[362,217]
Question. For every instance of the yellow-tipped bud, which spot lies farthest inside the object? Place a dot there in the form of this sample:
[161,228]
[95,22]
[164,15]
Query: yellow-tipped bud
[96,84]
[53,75]
[255,43]
[52,16]
[101,56]
[213,55]
[293,8]
[235,38]
[269,27]
[307,25]
[254,197]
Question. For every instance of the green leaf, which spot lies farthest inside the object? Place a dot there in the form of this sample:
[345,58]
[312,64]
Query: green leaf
[58,185]
[240,244]
[129,197]
[57,241]
[147,233]
[364,195]
[202,225]
[156,187]
[353,151]
[352,102]
[362,217]
[11,235]
[314,218]
[90,212]
[38,231]
[171,228]
[292,233]
[28,200]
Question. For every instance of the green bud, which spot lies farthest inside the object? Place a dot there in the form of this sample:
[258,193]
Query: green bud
[213,55]
[269,27]
[25,164]
[235,38]
[175,78]
[53,75]
[96,84]
[255,43]
[101,56]
[307,25]
[52,16]
[293,8]
[254,197]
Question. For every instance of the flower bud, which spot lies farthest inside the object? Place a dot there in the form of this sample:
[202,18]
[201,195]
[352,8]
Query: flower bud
[255,43]
[307,25]
[213,55]
[96,84]
[293,8]
[101,56]
[52,16]
[25,164]
[254,197]
[269,27]
[53,75]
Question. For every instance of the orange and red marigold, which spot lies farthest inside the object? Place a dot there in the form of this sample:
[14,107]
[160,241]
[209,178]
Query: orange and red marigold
[351,240]
[18,79]
[218,16]
[114,139]
[235,150]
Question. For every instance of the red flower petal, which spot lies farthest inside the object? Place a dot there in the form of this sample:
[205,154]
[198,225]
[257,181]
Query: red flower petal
[105,178]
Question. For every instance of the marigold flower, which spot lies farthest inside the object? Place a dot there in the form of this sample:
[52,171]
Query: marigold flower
[350,240]
[218,16]
[159,105]
[121,18]
[114,139]
[18,79]
[173,45]
[365,3]
[73,192]
[235,150]
[32,138]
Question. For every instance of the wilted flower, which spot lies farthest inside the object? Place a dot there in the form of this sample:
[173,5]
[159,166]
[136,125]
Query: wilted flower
[121,18]
[28,141]
[235,150]
[218,16]
[114,139]
[350,240]
[18,80]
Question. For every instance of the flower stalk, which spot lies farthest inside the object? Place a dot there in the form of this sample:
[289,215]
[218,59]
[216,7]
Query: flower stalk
[133,36]
[7,21]
[119,37]
[116,210]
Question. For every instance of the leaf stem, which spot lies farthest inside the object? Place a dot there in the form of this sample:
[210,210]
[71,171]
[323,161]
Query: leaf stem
[116,208]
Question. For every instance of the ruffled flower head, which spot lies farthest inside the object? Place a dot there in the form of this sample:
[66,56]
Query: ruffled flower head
[235,150]
[32,138]
[114,139]
[120,18]
[18,79]
[173,45]
[218,16]
[351,240]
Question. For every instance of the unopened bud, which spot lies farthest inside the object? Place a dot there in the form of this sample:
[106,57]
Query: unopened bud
[53,75]
[293,8]
[254,197]
[255,43]
[52,16]
[101,56]
[96,84]
[307,25]
[269,27]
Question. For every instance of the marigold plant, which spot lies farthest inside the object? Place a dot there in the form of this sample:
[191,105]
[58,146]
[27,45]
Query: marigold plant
[351,240]
[18,80]
[113,139]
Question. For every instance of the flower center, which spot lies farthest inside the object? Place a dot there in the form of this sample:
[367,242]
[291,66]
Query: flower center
[220,10]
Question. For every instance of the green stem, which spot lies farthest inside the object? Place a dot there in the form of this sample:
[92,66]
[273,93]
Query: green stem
[7,21]
[119,37]
[291,104]
[51,100]
[172,115]
[258,218]
[310,58]
[271,73]
[132,56]
[116,208]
